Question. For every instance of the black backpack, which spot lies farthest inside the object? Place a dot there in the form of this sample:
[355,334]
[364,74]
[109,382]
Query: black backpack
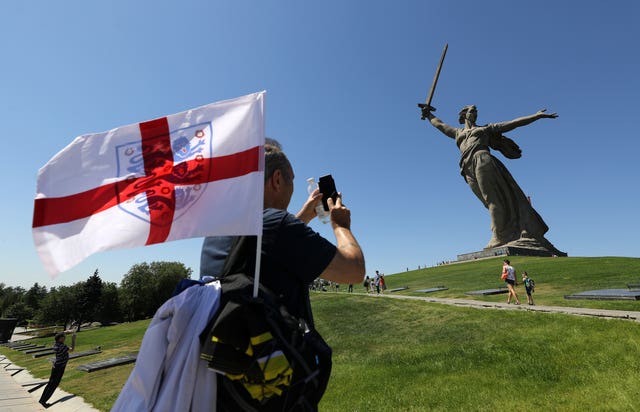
[268,359]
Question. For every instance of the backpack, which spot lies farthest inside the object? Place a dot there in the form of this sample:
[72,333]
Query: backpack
[269,360]
[532,284]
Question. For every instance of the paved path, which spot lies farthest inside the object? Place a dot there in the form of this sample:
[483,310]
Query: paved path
[61,401]
[16,398]
[13,397]
[601,313]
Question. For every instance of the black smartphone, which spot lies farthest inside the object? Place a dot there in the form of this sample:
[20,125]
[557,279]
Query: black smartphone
[328,189]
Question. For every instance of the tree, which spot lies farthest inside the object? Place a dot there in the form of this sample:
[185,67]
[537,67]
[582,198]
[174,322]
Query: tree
[34,296]
[4,292]
[47,314]
[145,287]
[136,289]
[69,304]
[109,308]
[59,306]
[166,276]
[89,294]
[10,296]
[20,311]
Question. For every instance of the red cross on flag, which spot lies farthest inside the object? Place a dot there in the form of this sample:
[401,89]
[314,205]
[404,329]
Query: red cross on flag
[191,174]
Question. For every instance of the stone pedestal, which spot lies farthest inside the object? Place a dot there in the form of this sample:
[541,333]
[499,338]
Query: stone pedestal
[520,247]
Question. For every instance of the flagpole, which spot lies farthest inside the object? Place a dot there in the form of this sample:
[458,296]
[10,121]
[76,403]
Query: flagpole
[256,275]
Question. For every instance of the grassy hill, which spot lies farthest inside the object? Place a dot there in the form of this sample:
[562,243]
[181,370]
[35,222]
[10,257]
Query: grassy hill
[554,277]
[395,355]
[392,355]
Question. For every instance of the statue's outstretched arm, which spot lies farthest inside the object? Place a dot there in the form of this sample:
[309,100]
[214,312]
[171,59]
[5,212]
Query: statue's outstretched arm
[440,125]
[525,120]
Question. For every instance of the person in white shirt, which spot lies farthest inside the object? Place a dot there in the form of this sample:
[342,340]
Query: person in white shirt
[510,281]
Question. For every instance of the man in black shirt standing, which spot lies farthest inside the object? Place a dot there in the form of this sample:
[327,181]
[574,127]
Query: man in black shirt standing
[62,357]
[292,255]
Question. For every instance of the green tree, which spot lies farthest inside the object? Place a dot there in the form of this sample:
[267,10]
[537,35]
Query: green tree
[10,296]
[109,308]
[68,303]
[47,314]
[58,307]
[145,287]
[34,296]
[136,291]
[4,292]
[89,295]
[166,276]
[20,311]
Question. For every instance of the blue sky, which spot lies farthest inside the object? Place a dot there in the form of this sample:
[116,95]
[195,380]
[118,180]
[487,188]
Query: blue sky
[342,79]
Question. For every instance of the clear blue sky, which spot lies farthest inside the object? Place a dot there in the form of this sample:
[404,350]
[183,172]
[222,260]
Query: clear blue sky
[342,79]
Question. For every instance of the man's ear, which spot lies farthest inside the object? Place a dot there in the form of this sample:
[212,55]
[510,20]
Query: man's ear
[276,180]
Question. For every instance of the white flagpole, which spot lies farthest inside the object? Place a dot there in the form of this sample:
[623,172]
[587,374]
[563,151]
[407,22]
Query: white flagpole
[256,275]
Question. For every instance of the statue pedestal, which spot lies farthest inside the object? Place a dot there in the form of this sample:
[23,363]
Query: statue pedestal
[520,247]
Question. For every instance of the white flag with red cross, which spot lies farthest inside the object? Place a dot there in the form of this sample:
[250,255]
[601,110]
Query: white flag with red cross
[191,174]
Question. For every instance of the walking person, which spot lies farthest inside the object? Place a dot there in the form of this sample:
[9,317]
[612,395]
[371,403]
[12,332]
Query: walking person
[529,286]
[367,284]
[509,276]
[60,363]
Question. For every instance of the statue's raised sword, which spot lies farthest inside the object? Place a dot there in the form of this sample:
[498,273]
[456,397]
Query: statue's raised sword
[434,83]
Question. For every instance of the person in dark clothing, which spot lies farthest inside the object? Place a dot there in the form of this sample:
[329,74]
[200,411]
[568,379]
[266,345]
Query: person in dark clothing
[60,363]
[292,254]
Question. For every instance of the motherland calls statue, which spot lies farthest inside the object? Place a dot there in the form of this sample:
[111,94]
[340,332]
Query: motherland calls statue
[512,216]
[514,222]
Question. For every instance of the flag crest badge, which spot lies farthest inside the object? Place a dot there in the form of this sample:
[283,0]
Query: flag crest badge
[161,190]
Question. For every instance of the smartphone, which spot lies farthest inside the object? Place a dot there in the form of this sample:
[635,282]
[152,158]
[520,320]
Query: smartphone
[328,189]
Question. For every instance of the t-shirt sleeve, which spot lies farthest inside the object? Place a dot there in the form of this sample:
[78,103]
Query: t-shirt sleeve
[296,247]
[214,252]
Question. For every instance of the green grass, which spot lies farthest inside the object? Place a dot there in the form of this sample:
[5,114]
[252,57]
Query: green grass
[397,355]
[394,355]
[100,388]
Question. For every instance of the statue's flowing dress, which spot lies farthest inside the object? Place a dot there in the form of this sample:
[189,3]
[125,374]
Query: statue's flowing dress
[512,216]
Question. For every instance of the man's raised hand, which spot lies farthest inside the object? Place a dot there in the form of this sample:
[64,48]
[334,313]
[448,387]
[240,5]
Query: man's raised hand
[340,215]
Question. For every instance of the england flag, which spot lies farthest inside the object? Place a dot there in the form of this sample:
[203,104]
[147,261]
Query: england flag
[191,174]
